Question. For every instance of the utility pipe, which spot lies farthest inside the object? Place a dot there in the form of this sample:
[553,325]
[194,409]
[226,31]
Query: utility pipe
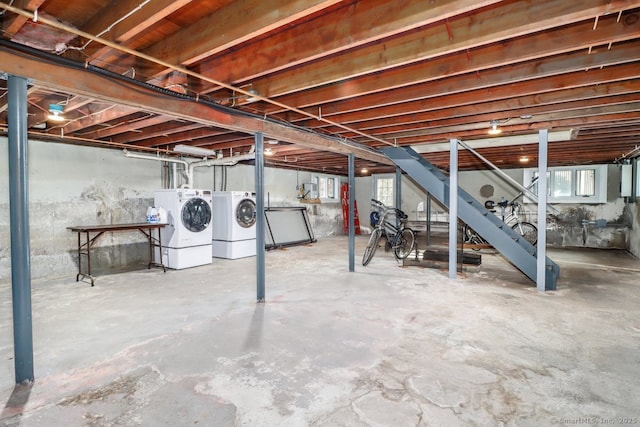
[189,166]
[160,159]
[228,161]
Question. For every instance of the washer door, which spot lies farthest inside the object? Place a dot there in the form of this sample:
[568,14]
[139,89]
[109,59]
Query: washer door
[196,214]
[246,213]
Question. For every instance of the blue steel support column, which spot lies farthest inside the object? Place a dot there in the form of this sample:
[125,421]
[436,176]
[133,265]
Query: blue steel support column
[352,226]
[541,247]
[398,188]
[260,256]
[19,217]
[398,193]
[453,208]
[428,214]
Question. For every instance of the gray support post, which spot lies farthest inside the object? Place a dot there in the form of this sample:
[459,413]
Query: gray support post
[453,207]
[260,255]
[428,224]
[541,247]
[20,239]
[352,226]
[398,191]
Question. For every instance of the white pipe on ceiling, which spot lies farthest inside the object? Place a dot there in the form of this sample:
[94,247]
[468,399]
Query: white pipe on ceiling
[190,166]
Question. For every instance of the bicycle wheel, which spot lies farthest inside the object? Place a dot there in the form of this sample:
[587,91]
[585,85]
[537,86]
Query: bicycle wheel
[371,246]
[528,231]
[404,243]
[471,237]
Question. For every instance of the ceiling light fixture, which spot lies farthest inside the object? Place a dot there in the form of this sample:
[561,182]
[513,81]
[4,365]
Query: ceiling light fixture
[524,159]
[364,170]
[192,149]
[55,113]
[494,128]
[253,98]
[269,151]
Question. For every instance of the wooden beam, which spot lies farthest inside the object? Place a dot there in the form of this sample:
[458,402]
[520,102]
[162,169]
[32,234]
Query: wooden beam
[545,103]
[495,24]
[109,112]
[126,127]
[11,25]
[128,95]
[162,135]
[578,61]
[524,88]
[417,79]
[337,30]
[138,22]
[237,22]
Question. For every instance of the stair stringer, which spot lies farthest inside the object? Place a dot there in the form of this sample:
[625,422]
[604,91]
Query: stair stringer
[502,237]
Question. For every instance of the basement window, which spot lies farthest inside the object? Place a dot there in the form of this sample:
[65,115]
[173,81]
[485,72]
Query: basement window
[572,184]
[383,188]
[327,187]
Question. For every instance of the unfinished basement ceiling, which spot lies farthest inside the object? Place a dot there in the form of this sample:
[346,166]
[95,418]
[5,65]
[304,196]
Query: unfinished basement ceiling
[325,78]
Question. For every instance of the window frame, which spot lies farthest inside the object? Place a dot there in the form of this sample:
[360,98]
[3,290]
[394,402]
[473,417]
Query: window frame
[328,187]
[384,176]
[599,188]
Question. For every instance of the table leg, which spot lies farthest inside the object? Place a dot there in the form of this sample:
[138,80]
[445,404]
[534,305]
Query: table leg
[152,245]
[79,258]
[87,251]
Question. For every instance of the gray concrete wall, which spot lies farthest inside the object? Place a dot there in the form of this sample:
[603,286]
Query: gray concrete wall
[563,230]
[633,210]
[72,185]
[281,189]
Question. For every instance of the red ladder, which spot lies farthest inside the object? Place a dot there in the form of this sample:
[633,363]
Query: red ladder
[344,192]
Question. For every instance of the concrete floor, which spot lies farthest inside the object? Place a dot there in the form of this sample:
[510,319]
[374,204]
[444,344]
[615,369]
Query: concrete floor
[384,346]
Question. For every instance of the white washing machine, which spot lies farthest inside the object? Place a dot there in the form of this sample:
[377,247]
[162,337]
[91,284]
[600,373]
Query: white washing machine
[234,224]
[186,240]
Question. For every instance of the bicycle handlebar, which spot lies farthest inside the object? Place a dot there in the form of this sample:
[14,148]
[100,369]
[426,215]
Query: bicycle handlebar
[399,212]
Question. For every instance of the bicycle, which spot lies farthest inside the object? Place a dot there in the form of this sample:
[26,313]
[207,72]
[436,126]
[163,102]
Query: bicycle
[398,237]
[523,228]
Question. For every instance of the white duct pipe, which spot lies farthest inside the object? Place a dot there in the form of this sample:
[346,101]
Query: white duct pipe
[161,159]
[229,161]
[189,167]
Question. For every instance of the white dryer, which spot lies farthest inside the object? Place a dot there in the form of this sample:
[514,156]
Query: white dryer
[186,240]
[234,224]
